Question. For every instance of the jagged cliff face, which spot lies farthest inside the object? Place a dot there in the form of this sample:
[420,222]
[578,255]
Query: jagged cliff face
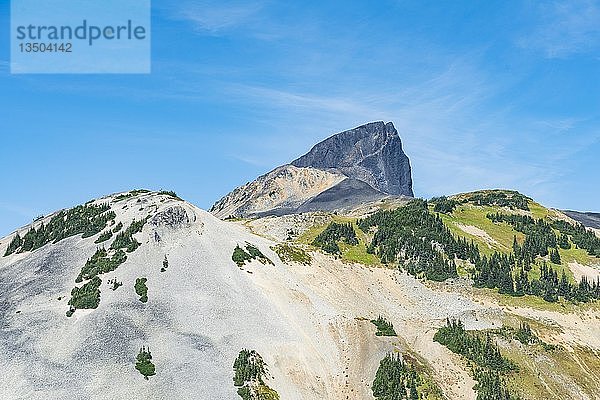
[360,165]
[371,153]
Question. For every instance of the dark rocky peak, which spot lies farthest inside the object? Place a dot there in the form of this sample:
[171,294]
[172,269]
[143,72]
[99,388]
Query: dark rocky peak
[371,153]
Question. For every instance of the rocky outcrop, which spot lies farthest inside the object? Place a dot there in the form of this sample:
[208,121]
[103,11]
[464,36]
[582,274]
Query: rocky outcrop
[172,217]
[360,165]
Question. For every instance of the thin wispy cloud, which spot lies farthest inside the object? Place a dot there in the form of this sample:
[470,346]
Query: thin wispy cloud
[217,17]
[312,102]
[564,28]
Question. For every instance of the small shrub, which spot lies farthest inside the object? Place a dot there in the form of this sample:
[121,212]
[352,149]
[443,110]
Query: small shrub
[115,284]
[141,289]
[144,363]
[384,327]
[165,264]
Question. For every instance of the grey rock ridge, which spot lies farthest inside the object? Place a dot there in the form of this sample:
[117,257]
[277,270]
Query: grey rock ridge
[588,219]
[371,153]
[353,167]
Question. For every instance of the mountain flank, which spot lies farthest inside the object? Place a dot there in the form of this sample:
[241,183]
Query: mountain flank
[589,219]
[141,295]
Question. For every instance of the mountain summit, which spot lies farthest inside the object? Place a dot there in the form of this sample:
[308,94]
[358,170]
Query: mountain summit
[371,153]
[352,167]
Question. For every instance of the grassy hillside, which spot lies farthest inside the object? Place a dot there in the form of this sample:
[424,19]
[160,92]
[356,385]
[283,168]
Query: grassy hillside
[495,237]
[469,220]
[357,253]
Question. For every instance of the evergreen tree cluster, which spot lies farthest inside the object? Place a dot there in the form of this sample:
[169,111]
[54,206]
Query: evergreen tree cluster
[249,373]
[511,199]
[86,296]
[525,335]
[101,263]
[144,363]
[248,367]
[125,239]
[131,193]
[86,220]
[509,273]
[396,380]
[481,350]
[539,235]
[443,204]
[104,236]
[489,363]
[118,227]
[104,261]
[583,238]
[563,242]
[503,272]
[240,256]
[334,233]
[492,386]
[495,271]
[384,327]
[414,235]
[255,253]
[170,193]
[141,289]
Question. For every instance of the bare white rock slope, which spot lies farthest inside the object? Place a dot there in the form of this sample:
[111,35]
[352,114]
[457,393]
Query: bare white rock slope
[201,311]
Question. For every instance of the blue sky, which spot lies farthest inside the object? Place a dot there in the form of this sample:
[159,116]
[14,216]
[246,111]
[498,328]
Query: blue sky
[485,94]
